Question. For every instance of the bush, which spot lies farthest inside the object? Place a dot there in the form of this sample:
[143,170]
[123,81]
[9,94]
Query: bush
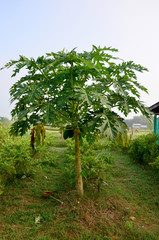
[95,164]
[4,133]
[155,164]
[145,149]
[15,160]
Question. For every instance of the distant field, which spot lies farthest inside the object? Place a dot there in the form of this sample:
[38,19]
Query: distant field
[139,132]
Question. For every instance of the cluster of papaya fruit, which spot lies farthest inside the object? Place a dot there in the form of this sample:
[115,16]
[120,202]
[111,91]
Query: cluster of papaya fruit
[69,132]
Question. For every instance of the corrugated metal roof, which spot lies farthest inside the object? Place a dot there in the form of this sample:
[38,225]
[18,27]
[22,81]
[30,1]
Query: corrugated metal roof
[155,108]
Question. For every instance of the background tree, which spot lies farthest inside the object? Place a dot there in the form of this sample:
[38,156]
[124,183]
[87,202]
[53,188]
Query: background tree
[82,89]
[142,120]
[5,120]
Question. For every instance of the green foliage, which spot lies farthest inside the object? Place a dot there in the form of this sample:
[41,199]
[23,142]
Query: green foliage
[15,157]
[57,88]
[4,134]
[95,164]
[19,127]
[155,163]
[15,160]
[145,149]
[121,142]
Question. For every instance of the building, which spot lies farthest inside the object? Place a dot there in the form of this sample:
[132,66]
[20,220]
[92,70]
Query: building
[139,126]
[155,109]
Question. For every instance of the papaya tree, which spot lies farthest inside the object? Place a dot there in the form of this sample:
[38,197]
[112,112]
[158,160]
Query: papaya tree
[85,91]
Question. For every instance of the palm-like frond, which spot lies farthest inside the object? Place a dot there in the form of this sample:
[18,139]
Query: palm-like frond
[76,88]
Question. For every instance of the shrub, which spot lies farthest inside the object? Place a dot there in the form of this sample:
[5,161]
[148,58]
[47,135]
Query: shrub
[95,168]
[4,133]
[145,149]
[15,160]
[95,164]
[155,164]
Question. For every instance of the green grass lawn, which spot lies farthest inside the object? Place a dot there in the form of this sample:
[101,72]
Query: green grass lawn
[127,208]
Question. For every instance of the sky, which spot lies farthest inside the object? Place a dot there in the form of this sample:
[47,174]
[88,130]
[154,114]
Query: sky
[35,27]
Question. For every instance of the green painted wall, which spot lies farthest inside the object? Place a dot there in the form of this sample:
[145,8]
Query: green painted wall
[156,125]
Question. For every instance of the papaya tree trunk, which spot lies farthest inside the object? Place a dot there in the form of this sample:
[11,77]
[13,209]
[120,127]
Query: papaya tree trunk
[79,181]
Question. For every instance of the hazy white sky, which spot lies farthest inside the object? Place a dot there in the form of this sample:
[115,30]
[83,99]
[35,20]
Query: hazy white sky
[34,27]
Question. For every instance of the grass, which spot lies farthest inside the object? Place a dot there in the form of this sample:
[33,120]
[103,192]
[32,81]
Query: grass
[138,188]
[127,208]
[139,132]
